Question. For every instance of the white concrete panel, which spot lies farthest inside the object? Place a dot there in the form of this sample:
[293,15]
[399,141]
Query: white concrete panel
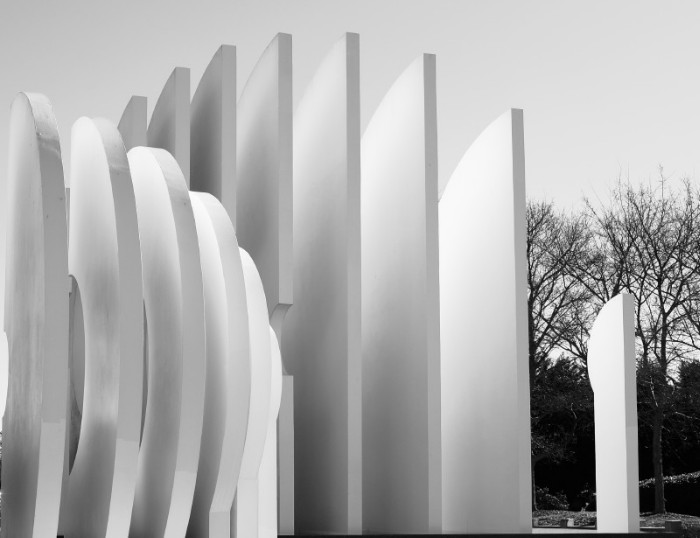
[400,310]
[133,123]
[267,489]
[285,458]
[483,316]
[228,370]
[36,322]
[244,517]
[264,174]
[213,130]
[169,127]
[4,372]
[104,258]
[321,337]
[612,371]
[174,304]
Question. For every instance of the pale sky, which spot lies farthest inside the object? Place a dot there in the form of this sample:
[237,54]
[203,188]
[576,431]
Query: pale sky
[607,87]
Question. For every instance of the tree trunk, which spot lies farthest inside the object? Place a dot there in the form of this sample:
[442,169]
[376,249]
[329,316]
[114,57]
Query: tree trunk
[658,460]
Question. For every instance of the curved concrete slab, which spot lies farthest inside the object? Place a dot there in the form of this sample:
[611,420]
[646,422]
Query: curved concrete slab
[133,123]
[169,127]
[228,370]
[36,322]
[174,305]
[483,318]
[264,174]
[104,258]
[321,337]
[400,308]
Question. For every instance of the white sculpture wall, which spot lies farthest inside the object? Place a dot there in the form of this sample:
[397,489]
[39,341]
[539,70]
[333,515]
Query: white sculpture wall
[213,130]
[133,125]
[400,309]
[483,316]
[104,257]
[264,216]
[228,367]
[612,371]
[169,127]
[321,337]
[174,305]
[36,322]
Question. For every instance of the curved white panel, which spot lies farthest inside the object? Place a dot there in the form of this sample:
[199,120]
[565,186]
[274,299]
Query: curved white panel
[264,174]
[483,317]
[400,310]
[169,127]
[612,371]
[267,488]
[4,371]
[133,123]
[174,304]
[213,130]
[321,338]
[104,257]
[36,322]
[228,370]
[245,505]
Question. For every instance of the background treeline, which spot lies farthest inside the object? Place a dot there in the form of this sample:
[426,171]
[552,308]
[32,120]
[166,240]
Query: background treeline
[643,240]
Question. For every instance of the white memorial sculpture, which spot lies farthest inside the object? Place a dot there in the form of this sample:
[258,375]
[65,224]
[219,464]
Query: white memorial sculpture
[263,217]
[400,309]
[133,125]
[36,322]
[213,130]
[321,336]
[612,371]
[169,127]
[228,369]
[104,258]
[176,352]
[150,353]
[483,317]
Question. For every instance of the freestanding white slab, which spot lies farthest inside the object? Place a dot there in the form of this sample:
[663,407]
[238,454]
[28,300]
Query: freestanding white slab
[213,130]
[612,370]
[176,351]
[264,174]
[400,310]
[228,370]
[264,217]
[104,257]
[169,127]
[36,322]
[267,481]
[321,337]
[244,516]
[133,123]
[483,317]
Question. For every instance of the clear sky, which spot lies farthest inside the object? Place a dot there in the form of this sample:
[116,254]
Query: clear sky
[607,87]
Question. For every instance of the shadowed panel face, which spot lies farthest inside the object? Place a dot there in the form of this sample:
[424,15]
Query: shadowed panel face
[36,322]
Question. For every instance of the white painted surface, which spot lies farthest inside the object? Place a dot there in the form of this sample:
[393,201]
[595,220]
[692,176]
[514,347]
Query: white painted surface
[169,127]
[244,517]
[483,316]
[400,310]
[213,130]
[321,337]
[133,123]
[228,370]
[104,258]
[264,174]
[174,304]
[267,490]
[612,371]
[36,322]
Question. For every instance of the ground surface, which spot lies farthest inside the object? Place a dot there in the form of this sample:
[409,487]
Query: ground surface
[691,524]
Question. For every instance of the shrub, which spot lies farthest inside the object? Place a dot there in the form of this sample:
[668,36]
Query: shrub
[550,501]
[681,492]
